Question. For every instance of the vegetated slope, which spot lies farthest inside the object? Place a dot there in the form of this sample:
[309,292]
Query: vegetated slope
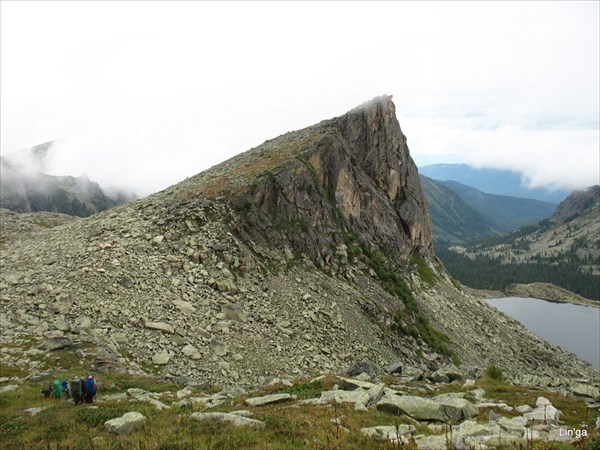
[24,187]
[563,250]
[452,220]
[502,212]
[493,181]
[305,254]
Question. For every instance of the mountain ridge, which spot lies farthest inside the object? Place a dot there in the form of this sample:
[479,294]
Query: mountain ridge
[562,249]
[318,257]
[504,213]
[452,219]
[25,187]
[492,181]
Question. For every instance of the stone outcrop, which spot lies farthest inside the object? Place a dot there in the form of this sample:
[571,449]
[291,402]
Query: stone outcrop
[576,203]
[449,410]
[351,174]
[127,423]
[268,399]
[236,419]
[399,434]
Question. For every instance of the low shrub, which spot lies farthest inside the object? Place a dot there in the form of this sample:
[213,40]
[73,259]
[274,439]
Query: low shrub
[494,372]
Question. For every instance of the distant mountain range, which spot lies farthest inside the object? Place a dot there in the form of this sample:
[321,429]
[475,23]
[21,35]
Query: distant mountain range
[461,214]
[492,181]
[453,221]
[503,212]
[563,249]
[24,187]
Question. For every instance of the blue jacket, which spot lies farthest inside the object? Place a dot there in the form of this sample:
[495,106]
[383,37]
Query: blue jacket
[90,386]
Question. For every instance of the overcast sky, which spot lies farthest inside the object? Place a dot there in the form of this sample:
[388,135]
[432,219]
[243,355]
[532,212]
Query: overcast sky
[145,94]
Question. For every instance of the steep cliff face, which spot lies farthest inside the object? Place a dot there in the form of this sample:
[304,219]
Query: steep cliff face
[348,175]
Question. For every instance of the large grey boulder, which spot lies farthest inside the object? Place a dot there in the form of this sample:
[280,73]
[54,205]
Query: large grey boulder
[544,413]
[361,397]
[585,390]
[161,358]
[235,312]
[435,442]
[127,423]
[375,394]
[351,384]
[267,399]
[235,419]
[191,352]
[449,410]
[358,397]
[113,398]
[160,326]
[55,344]
[400,434]
[366,366]
[447,373]
[395,368]
[8,388]
[516,425]
[186,308]
[217,347]
[470,434]
[147,397]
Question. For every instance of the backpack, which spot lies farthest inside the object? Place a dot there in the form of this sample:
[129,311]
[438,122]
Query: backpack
[64,385]
[46,388]
[90,386]
[76,387]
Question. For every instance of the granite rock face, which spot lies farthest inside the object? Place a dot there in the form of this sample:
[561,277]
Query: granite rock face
[351,174]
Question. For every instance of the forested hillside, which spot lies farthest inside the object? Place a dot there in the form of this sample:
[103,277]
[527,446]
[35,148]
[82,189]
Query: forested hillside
[564,250]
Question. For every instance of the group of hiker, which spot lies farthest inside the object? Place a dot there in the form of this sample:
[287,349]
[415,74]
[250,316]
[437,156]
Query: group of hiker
[79,389]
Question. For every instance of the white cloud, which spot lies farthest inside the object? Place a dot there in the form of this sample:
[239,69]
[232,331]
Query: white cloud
[553,158]
[147,93]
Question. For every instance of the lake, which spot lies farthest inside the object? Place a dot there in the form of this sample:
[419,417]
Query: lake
[573,328]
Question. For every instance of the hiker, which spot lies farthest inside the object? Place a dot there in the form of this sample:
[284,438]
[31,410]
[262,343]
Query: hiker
[47,389]
[90,389]
[83,396]
[77,390]
[65,389]
[56,389]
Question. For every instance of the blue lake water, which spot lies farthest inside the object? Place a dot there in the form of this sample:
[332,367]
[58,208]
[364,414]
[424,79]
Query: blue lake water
[573,328]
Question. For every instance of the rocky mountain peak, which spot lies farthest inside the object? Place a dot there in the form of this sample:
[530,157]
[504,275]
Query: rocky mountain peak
[576,203]
[306,254]
[310,189]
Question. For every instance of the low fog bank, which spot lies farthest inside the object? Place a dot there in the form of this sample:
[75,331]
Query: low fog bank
[37,168]
[26,187]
